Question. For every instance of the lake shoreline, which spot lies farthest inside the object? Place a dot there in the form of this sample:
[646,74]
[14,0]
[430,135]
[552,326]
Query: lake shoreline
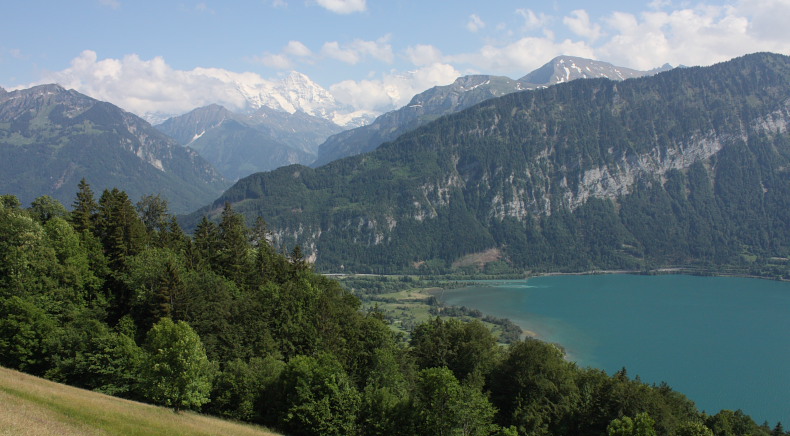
[667,327]
[532,334]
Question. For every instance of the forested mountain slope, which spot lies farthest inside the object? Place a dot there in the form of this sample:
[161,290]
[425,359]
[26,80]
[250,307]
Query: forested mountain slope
[51,138]
[465,92]
[687,166]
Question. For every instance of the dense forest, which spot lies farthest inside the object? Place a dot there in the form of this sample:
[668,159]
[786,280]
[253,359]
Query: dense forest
[113,296]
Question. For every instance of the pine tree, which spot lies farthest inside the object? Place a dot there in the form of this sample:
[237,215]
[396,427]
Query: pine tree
[118,227]
[84,208]
[206,243]
[234,244]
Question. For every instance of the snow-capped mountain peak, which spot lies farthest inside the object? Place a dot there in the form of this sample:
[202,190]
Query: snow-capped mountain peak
[248,92]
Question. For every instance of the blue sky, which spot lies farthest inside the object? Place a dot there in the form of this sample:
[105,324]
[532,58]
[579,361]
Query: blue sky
[373,54]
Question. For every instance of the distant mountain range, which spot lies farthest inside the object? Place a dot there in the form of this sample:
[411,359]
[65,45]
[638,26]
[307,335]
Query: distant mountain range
[689,166]
[295,122]
[293,93]
[466,91]
[239,145]
[50,138]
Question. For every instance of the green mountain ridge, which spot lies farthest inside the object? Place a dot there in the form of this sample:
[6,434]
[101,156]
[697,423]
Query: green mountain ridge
[464,92]
[685,167]
[50,138]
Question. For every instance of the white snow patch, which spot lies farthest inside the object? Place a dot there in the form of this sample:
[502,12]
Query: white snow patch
[196,137]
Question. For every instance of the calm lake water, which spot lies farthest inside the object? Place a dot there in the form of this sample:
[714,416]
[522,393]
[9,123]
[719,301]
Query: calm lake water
[722,341]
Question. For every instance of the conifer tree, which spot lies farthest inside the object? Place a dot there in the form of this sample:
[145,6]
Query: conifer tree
[118,227]
[233,244]
[84,208]
[206,243]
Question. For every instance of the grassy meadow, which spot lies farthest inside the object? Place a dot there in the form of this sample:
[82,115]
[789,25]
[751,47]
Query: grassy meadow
[32,406]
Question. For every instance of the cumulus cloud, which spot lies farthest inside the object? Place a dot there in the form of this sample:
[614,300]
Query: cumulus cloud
[343,6]
[520,57]
[699,35]
[276,61]
[359,49]
[393,90]
[296,48]
[284,60]
[143,86]
[533,21]
[423,54]
[152,86]
[579,23]
[475,23]
[696,36]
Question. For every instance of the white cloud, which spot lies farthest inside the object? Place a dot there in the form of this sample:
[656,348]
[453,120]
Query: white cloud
[359,49]
[696,36]
[699,35]
[769,18]
[475,23]
[579,23]
[283,61]
[343,6]
[423,54]
[296,48]
[334,51]
[533,21]
[520,57]
[393,90]
[142,86]
[277,61]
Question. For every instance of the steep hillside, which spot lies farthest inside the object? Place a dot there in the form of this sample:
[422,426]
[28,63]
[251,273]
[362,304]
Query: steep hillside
[687,166]
[50,138]
[34,406]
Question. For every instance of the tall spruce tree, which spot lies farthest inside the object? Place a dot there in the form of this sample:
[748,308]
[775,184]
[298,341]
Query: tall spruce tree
[84,208]
[234,245]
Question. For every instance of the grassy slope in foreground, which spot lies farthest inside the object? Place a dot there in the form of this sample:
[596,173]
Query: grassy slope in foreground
[34,406]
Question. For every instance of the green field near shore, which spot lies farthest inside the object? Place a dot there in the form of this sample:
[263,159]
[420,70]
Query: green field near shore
[407,301]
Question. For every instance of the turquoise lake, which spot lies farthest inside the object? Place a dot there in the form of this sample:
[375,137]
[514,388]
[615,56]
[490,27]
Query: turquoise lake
[722,341]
